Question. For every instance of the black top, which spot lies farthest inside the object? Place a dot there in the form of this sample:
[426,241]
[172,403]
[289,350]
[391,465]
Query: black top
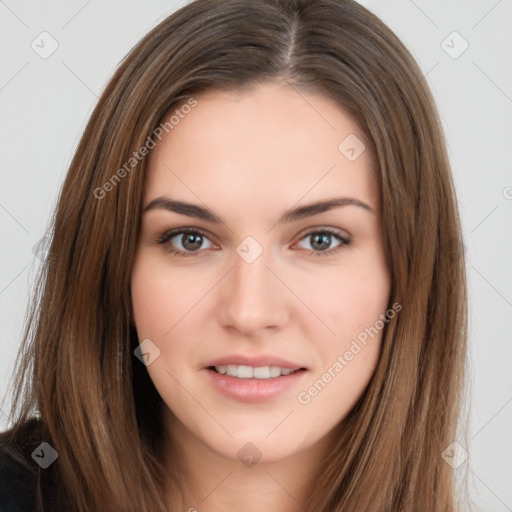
[17,486]
[18,470]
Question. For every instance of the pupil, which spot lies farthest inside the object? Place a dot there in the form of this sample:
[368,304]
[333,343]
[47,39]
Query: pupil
[192,241]
[324,240]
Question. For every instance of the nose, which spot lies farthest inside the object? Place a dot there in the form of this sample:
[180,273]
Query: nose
[252,298]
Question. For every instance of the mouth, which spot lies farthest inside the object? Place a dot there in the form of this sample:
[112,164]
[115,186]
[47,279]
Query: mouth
[251,372]
[254,384]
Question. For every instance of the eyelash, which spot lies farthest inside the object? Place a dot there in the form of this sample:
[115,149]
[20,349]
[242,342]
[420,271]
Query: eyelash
[165,237]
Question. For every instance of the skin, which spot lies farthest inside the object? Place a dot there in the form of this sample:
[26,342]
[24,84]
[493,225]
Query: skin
[249,157]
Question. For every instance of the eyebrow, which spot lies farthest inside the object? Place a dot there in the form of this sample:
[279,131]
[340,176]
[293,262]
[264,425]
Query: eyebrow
[292,215]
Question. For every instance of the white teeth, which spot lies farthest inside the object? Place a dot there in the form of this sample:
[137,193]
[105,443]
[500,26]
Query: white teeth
[262,372]
[275,371]
[244,372]
[248,372]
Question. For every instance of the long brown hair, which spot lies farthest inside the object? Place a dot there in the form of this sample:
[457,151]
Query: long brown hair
[99,409]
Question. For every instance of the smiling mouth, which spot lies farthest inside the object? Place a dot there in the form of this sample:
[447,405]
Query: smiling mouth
[254,373]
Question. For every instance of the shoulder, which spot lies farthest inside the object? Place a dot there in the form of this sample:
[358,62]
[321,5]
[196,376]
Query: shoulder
[18,471]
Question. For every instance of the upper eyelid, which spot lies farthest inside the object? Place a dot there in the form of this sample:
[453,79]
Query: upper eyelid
[334,231]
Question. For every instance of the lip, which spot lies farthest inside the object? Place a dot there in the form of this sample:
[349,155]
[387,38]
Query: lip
[253,390]
[255,361]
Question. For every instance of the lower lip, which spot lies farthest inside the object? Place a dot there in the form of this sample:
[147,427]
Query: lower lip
[253,390]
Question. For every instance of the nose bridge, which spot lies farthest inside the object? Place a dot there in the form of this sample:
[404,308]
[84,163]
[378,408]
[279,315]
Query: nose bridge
[252,297]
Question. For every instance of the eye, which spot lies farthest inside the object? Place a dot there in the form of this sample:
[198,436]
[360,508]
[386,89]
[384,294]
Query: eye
[184,242]
[190,241]
[320,242]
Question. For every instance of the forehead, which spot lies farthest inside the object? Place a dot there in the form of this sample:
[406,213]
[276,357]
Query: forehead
[272,141]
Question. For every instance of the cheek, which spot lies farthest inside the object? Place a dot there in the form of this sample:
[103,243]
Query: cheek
[160,297]
[167,303]
[160,315]
[348,301]
[351,304]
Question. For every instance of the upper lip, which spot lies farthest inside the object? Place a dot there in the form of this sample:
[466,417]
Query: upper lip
[255,361]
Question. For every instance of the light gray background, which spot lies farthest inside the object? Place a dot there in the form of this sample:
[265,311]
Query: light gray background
[45,103]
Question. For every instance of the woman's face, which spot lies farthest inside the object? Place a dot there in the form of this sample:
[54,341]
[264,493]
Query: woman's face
[264,280]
